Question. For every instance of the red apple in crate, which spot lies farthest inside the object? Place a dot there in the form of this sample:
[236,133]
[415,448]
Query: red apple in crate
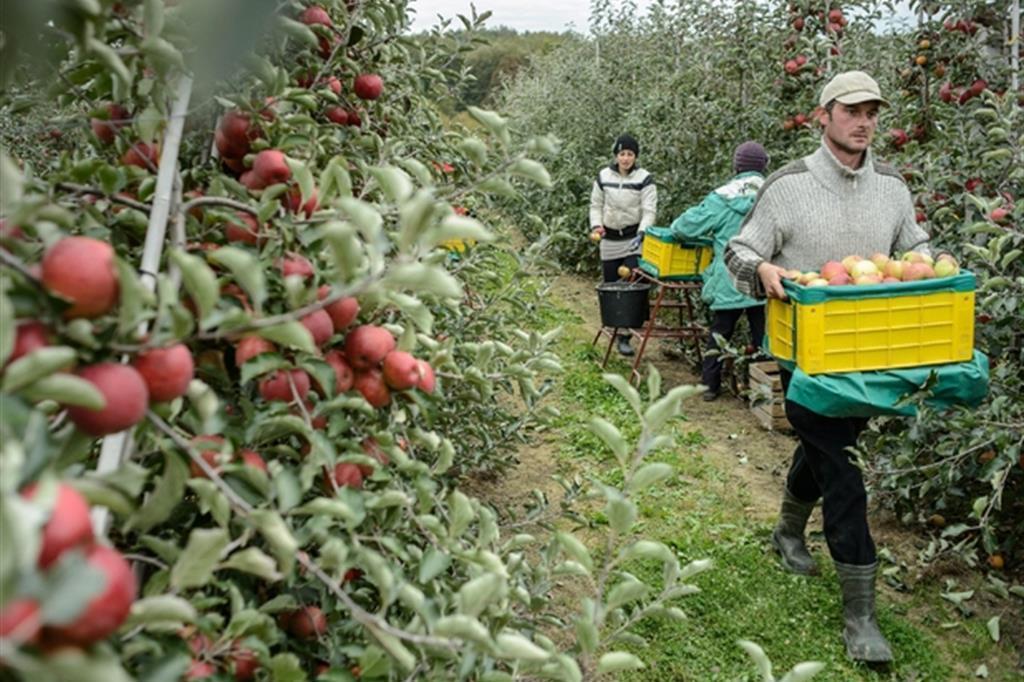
[870,278]
[880,260]
[832,268]
[850,261]
[862,268]
[840,279]
[818,282]
[946,266]
[807,277]
[894,269]
[915,257]
[792,274]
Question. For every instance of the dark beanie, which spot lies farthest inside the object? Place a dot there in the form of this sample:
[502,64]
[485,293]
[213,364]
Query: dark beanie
[749,156]
[626,141]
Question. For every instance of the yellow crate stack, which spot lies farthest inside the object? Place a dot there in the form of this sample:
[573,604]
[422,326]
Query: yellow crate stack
[665,259]
[891,326]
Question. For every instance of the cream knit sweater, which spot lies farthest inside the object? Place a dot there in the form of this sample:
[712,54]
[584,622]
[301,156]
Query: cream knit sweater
[816,210]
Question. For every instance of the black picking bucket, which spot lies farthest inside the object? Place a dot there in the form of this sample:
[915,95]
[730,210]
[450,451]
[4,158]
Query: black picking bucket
[623,304]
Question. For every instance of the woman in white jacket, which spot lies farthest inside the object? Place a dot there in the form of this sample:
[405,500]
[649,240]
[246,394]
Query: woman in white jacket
[622,206]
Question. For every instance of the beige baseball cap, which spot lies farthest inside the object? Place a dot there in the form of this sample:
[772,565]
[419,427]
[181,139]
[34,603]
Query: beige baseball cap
[851,87]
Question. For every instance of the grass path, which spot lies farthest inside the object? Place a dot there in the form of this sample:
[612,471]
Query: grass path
[721,505]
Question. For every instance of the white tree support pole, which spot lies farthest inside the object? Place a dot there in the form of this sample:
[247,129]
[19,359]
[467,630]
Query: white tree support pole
[116,446]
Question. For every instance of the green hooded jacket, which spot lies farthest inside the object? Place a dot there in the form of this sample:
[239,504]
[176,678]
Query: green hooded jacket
[719,217]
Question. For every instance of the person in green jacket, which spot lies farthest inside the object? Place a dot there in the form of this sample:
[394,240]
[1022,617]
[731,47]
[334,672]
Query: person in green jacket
[719,217]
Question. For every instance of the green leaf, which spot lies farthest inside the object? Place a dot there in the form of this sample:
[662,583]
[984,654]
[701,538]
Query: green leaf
[39,363]
[363,215]
[492,121]
[618,661]
[993,628]
[153,17]
[329,508]
[394,181]
[66,389]
[423,278]
[253,561]
[460,227]
[277,533]
[611,436]
[576,549]
[168,492]
[462,627]
[461,511]
[247,271]
[134,297]
[109,57]
[474,149]
[11,184]
[413,218]
[631,395]
[195,566]
[515,646]
[478,593]
[393,646]
[286,668]
[531,170]
[648,549]
[802,672]
[627,591]
[199,280]
[297,30]
[291,334]
[212,500]
[621,514]
[499,186]
[648,475]
[433,564]
[757,654]
[161,609]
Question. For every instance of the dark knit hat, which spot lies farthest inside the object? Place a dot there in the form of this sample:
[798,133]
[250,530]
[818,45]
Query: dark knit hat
[626,141]
[749,156]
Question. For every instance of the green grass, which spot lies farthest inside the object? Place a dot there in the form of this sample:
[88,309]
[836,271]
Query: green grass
[745,595]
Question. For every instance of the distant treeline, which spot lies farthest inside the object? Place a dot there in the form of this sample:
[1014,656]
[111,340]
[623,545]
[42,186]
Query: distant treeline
[498,57]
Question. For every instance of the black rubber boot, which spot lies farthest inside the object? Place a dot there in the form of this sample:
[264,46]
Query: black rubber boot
[623,345]
[864,640]
[788,536]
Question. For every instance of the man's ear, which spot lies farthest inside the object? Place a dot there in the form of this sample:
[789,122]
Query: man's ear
[823,117]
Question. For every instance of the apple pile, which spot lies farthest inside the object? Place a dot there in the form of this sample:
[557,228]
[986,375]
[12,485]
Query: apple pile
[878,269]
[67,532]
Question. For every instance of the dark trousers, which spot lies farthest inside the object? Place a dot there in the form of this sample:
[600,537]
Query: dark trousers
[610,268]
[723,323]
[822,468]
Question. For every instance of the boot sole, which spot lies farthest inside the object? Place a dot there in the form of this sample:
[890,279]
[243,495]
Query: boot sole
[876,660]
[788,567]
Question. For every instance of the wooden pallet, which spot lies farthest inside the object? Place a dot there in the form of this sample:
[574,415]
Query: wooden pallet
[767,401]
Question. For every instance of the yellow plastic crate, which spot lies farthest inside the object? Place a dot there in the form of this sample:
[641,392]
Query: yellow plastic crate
[883,326]
[668,259]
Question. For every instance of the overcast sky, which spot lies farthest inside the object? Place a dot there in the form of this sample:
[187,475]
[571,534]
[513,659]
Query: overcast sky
[522,15]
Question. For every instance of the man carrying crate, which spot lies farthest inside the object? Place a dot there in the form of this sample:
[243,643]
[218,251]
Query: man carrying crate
[718,217]
[833,203]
